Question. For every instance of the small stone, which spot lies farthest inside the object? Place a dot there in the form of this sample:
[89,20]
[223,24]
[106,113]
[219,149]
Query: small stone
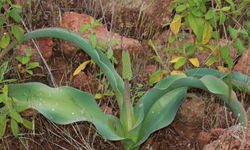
[192,110]
[243,63]
[45,46]
[84,82]
[73,21]
[203,138]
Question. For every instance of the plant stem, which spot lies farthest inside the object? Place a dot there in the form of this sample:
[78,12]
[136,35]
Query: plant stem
[129,110]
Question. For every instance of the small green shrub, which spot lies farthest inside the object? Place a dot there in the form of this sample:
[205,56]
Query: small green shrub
[209,21]
[26,65]
[10,19]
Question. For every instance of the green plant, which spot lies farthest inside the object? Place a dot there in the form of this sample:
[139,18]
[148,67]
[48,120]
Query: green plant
[26,64]
[206,20]
[105,46]
[3,71]
[9,19]
[9,111]
[155,109]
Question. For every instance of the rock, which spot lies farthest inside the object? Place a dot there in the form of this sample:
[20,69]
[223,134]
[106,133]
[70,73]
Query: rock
[231,139]
[85,82]
[106,109]
[243,63]
[138,18]
[45,46]
[203,138]
[73,21]
[150,69]
[192,110]
[29,113]
[21,50]
[217,131]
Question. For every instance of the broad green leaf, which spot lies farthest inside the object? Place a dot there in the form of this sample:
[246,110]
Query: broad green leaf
[203,7]
[190,49]
[110,53]
[207,33]
[15,14]
[3,123]
[32,65]
[81,67]
[171,39]
[18,33]
[232,4]
[197,25]
[225,52]
[66,105]
[16,116]
[226,8]
[180,62]
[14,127]
[23,59]
[176,59]
[211,60]
[28,53]
[156,77]
[3,70]
[85,27]
[197,13]
[2,21]
[222,18]
[96,55]
[181,8]
[195,62]
[161,113]
[16,6]
[210,14]
[216,35]
[155,93]
[98,96]
[30,72]
[240,81]
[233,32]
[191,2]
[226,57]
[126,66]
[2,98]
[171,83]
[176,24]
[27,124]
[239,46]
[93,40]
[5,40]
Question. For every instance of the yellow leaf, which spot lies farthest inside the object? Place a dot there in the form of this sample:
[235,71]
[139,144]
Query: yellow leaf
[223,69]
[176,24]
[176,59]
[176,72]
[207,33]
[195,62]
[81,67]
[98,96]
